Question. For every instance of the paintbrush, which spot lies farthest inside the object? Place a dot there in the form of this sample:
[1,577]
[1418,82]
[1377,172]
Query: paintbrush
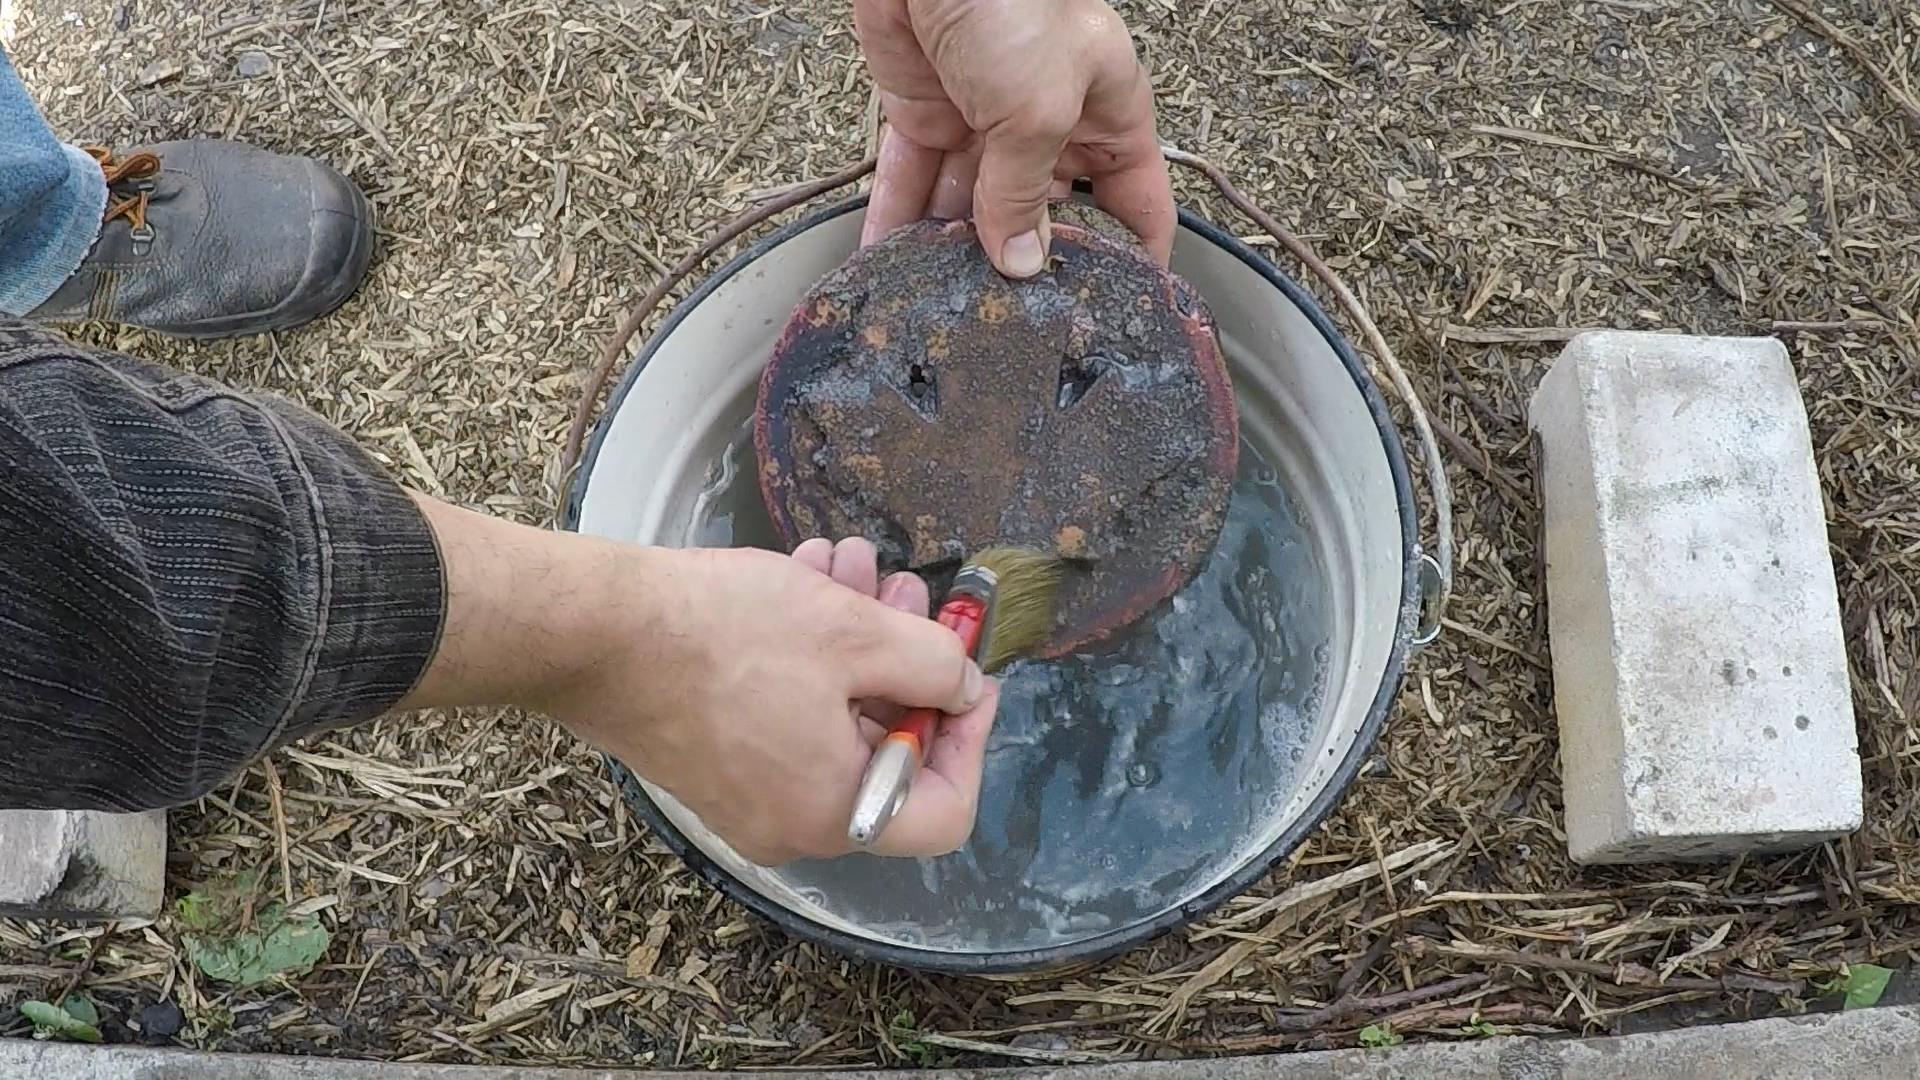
[1001,605]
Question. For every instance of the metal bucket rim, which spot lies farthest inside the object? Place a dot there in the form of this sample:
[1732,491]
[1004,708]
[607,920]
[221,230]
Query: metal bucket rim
[1109,943]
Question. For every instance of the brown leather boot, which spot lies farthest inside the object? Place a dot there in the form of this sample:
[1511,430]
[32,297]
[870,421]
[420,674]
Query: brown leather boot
[206,238]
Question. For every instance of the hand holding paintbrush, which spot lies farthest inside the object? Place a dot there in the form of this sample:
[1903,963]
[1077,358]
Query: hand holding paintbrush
[1002,605]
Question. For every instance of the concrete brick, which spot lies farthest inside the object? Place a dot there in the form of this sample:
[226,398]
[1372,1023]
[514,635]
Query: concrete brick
[1700,674]
[82,866]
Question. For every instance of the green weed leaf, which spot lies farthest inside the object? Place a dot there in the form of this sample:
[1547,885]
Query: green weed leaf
[1375,1036]
[77,1022]
[276,946]
[272,943]
[81,1008]
[1863,984]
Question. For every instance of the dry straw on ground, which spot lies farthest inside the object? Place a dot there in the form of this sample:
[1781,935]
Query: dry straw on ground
[1483,172]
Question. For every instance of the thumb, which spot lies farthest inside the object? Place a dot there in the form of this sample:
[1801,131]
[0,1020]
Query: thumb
[914,661]
[1017,160]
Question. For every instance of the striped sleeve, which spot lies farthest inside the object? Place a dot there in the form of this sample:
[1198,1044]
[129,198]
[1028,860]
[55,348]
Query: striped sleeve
[189,577]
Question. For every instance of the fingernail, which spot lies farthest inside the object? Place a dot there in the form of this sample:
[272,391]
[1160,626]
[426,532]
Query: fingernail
[975,684]
[1024,255]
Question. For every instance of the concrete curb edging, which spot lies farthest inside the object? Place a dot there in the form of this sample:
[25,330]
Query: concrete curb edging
[1869,1042]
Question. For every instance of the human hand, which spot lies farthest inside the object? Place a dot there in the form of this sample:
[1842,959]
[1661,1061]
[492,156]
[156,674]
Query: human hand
[753,686]
[994,105]
[758,686]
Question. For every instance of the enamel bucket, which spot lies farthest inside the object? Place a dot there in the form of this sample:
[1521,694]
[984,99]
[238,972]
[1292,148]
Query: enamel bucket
[1323,425]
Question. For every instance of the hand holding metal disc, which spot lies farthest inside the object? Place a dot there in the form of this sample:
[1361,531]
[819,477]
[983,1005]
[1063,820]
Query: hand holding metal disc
[922,400]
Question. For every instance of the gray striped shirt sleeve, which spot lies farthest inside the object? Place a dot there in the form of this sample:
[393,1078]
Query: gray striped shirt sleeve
[189,577]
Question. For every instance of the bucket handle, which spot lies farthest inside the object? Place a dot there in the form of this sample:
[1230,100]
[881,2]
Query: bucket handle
[1436,567]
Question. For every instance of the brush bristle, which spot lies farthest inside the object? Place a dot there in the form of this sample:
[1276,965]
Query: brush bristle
[1023,604]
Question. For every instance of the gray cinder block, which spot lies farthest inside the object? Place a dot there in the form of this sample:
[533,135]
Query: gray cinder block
[83,866]
[1700,674]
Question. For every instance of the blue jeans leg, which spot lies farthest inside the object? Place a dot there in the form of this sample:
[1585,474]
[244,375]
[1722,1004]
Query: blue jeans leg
[51,199]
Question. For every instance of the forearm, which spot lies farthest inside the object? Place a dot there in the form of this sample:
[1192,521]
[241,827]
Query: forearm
[530,612]
[188,577]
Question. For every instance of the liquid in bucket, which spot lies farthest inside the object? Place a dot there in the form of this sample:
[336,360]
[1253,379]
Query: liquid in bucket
[1121,782]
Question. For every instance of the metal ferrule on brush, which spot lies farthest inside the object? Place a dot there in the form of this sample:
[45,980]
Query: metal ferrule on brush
[981,584]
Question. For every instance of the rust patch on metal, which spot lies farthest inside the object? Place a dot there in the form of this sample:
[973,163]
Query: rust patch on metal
[923,401]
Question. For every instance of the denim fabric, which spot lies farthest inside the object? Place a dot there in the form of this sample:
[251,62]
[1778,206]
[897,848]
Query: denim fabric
[51,198]
[189,577]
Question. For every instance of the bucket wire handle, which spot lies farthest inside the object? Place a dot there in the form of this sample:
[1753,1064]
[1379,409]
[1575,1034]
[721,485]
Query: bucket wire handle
[616,346]
[1436,568]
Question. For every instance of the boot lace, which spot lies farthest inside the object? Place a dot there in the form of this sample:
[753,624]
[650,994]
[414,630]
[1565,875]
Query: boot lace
[129,184]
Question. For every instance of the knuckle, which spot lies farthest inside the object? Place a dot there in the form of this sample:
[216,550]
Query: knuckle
[1041,121]
[847,629]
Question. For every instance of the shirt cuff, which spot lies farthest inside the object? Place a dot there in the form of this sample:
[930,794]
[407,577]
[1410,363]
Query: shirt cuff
[382,584]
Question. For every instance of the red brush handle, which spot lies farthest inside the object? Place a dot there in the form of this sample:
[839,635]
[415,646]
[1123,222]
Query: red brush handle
[966,616]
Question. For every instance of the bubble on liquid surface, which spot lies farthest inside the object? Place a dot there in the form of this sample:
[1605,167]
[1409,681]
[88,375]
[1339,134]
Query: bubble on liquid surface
[1121,782]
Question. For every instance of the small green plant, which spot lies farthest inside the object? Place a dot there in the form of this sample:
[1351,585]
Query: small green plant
[230,941]
[1375,1036]
[1863,985]
[904,1030]
[1479,1027]
[73,1020]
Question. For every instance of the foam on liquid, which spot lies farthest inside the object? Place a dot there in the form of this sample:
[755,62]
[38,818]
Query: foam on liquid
[1119,783]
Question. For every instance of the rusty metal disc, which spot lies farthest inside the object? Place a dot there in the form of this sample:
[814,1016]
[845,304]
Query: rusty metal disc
[920,399]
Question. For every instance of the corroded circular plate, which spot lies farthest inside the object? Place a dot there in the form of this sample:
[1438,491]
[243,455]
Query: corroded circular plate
[920,399]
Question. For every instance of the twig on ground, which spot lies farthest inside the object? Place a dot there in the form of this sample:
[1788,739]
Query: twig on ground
[1512,335]
[753,126]
[1785,327]
[1334,1014]
[85,967]
[1063,1057]
[1621,974]
[1625,161]
[1473,457]
[339,98]
[1546,335]
[1436,1017]
[276,797]
[1485,638]
[1357,972]
[1846,43]
[592,967]
[1332,883]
